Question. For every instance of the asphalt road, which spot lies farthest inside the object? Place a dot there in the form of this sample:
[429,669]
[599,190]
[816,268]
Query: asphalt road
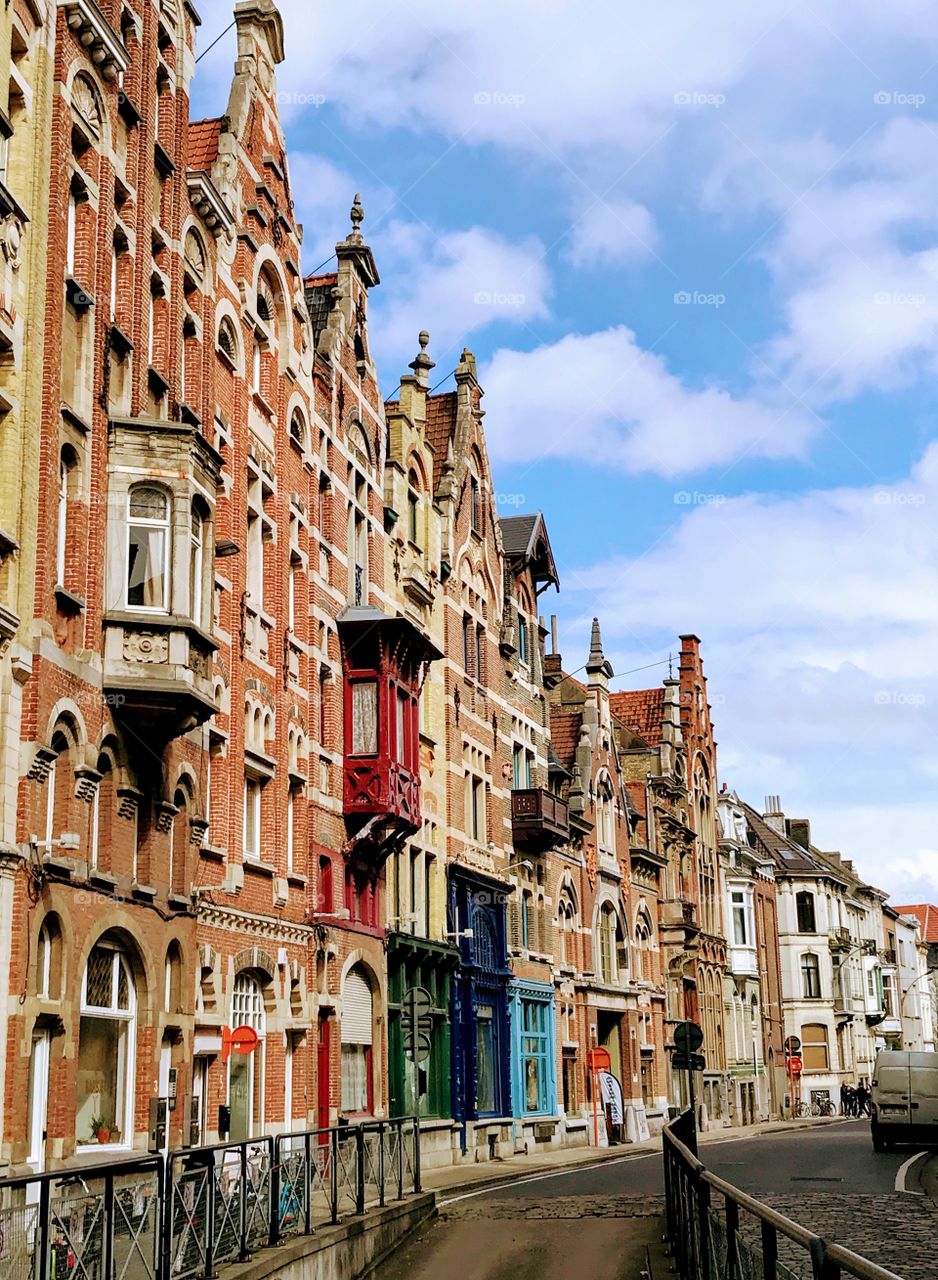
[836,1156]
[599,1221]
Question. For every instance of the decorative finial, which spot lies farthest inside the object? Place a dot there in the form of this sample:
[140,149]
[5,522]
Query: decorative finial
[421,363]
[357,215]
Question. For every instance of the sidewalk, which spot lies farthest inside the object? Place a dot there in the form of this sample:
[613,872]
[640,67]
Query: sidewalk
[492,1173]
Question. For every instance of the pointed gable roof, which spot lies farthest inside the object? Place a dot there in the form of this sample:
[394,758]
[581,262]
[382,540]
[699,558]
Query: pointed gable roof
[525,541]
[927,916]
[203,144]
[642,711]
[565,734]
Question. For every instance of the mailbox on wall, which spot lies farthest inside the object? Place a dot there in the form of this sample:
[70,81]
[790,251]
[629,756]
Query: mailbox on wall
[159,1112]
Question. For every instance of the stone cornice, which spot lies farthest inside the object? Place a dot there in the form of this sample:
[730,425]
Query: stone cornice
[260,927]
[92,29]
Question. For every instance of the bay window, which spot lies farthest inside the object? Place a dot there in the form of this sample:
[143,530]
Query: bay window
[364,718]
[148,539]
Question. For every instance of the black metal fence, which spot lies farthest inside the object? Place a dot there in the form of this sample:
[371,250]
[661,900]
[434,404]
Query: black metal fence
[185,1214]
[718,1232]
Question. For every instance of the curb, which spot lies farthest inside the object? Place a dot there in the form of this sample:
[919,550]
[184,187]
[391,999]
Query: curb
[628,1152]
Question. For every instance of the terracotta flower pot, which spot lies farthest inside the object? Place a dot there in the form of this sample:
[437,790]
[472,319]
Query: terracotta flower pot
[104,1135]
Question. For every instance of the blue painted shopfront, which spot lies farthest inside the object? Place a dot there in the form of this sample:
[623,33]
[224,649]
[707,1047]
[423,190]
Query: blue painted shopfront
[533,1049]
[481,1048]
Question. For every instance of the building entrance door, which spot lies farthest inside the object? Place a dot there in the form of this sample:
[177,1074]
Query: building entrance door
[241,1096]
[38,1109]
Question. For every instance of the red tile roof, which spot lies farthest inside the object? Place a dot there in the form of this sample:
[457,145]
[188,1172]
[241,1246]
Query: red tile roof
[641,710]
[316,282]
[565,734]
[203,144]
[927,916]
[441,418]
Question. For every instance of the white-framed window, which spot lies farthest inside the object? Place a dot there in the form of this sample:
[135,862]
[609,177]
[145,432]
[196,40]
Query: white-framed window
[608,967]
[196,564]
[357,1039]
[291,829]
[71,231]
[606,817]
[106,1049]
[740,919]
[44,963]
[148,545]
[252,819]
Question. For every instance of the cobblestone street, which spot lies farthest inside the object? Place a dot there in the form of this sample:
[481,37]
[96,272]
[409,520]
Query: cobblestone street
[826,1178]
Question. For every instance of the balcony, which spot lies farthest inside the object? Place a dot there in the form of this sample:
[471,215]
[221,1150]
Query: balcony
[679,920]
[382,788]
[888,958]
[538,817]
[158,673]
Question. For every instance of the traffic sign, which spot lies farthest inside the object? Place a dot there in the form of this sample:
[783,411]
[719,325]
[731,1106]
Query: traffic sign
[688,1037]
[241,1040]
[792,1047]
[417,1024]
[795,1066]
[598,1059]
[689,1062]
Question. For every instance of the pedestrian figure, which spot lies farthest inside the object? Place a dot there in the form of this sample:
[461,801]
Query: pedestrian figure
[844,1098]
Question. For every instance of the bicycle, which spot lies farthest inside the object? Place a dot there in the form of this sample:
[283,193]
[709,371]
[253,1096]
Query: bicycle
[802,1110]
[824,1107]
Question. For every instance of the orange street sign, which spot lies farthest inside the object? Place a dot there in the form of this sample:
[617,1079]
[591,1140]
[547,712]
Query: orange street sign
[598,1059]
[241,1040]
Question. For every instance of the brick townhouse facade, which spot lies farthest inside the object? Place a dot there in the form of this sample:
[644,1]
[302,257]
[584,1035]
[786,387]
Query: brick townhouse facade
[282,746]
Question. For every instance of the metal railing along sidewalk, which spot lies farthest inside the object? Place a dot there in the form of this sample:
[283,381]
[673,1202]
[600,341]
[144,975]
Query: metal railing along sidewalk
[718,1232]
[180,1216]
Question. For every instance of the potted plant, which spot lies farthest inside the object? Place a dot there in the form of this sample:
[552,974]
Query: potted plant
[101,1129]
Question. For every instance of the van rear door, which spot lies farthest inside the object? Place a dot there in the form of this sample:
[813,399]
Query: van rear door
[891,1089]
[923,1090]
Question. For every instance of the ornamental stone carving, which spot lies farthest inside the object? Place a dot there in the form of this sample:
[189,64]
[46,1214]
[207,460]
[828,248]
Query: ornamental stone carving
[150,647]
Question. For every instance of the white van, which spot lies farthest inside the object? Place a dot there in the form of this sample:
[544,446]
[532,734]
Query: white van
[905,1098]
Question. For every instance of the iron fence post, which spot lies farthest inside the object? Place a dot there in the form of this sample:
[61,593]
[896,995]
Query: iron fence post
[244,1203]
[308,1183]
[381,1164]
[107,1243]
[210,1218]
[43,1227]
[334,1147]
[400,1159]
[360,1169]
[273,1235]
[703,1220]
[732,1239]
[417,1186]
[769,1251]
[668,1207]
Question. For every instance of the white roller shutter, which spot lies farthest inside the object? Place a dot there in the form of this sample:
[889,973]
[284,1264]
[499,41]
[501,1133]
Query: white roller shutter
[356,1010]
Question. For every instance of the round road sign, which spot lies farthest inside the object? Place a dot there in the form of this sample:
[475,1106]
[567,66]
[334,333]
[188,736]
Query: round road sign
[688,1037]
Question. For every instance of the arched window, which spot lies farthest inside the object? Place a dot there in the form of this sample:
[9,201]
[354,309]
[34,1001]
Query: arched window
[358,539]
[228,341]
[326,890]
[298,429]
[810,976]
[246,1070]
[106,1048]
[195,260]
[148,539]
[608,944]
[247,1005]
[357,1041]
[804,907]
[643,947]
[101,812]
[606,817]
[172,980]
[178,841]
[48,975]
[414,530]
[566,920]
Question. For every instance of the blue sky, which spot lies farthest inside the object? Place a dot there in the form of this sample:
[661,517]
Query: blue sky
[695,250]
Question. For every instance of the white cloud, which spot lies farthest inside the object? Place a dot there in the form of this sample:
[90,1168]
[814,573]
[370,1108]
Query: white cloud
[600,398]
[452,283]
[818,614]
[611,232]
